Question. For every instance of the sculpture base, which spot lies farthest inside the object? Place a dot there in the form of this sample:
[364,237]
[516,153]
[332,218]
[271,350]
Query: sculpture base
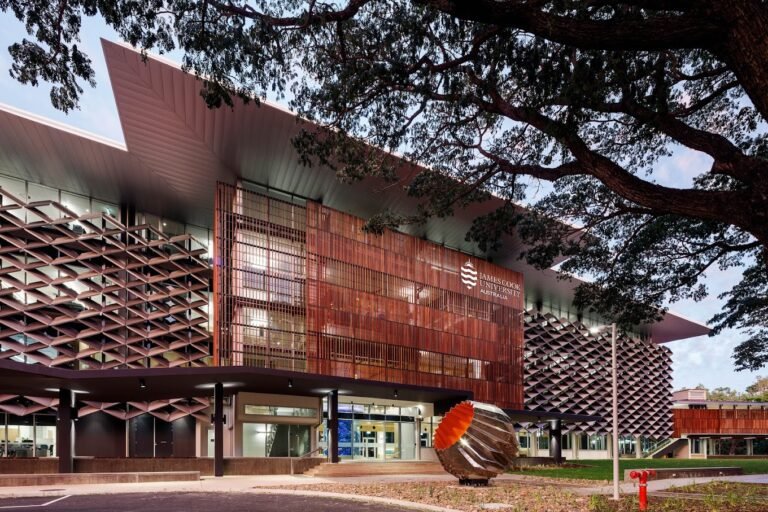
[474,482]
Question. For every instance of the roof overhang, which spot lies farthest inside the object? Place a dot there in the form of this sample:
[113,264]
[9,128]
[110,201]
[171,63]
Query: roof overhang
[176,150]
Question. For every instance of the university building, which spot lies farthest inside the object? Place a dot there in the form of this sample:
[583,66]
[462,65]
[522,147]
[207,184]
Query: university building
[196,292]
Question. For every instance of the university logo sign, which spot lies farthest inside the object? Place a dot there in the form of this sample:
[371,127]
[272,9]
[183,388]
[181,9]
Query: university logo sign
[489,285]
[469,275]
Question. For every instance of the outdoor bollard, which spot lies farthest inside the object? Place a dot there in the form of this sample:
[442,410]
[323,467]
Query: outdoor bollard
[643,490]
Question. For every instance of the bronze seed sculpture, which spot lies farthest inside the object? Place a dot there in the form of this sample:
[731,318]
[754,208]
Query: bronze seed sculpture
[475,442]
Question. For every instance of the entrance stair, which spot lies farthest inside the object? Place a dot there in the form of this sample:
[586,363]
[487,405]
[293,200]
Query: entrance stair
[364,468]
[666,449]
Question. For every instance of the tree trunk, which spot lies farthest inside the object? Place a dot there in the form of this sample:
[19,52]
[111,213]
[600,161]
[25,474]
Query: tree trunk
[745,47]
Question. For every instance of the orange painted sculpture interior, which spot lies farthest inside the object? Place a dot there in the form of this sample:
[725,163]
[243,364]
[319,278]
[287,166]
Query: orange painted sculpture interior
[454,425]
[475,441]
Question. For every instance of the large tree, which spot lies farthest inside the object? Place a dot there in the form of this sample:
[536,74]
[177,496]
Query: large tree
[497,95]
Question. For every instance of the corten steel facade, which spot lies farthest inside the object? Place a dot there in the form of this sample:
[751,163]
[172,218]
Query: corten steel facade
[303,287]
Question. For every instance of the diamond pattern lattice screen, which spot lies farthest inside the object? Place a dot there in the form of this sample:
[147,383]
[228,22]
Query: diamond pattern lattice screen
[166,410]
[568,369]
[88,292]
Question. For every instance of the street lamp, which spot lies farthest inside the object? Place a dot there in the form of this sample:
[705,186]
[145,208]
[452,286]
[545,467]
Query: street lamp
[615,389]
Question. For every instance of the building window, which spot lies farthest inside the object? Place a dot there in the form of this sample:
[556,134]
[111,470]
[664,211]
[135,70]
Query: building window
[593,442]
[254,278]
[275,440]
[273,410]
[697,446]
[565,442]
[542,441]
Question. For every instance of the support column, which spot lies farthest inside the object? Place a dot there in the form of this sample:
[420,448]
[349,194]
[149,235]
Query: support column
[555,441]
[333,425]
[638,447]
[65,440]
[750,447]
[417,448]
[218,429]
[575,445]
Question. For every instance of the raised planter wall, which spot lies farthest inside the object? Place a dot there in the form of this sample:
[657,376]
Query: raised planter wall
[665,473]
[524,462]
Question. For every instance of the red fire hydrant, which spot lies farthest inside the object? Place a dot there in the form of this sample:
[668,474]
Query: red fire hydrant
[643,475]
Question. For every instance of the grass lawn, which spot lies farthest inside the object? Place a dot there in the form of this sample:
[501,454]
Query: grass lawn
[603,469]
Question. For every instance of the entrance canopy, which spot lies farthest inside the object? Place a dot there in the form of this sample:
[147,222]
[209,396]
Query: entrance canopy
[165,383]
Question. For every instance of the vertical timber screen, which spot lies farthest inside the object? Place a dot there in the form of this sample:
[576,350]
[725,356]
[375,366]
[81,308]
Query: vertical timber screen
[303,288]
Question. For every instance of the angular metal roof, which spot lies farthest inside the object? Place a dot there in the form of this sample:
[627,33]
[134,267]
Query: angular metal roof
[176,149]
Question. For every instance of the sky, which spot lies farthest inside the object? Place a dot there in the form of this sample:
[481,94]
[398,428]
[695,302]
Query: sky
[702,360]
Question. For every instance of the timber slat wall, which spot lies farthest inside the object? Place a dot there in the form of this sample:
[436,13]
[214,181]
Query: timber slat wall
[303,287]
[720,421]
[393,307]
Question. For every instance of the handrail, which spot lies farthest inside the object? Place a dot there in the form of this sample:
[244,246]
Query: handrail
[318,449]
[658,446]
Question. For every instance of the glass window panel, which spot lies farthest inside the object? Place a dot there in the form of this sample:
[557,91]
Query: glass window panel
[20,436]
[255,439]
[18,189]
[171,228]
[106,208]
[272,410]
[41,193]
[80,205]
[45,435]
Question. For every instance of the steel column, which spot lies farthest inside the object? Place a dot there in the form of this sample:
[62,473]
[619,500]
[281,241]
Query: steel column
[333,425]
[555,440]
[65,439]
[218,429]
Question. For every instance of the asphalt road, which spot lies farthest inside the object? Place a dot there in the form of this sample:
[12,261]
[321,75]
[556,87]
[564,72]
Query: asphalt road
[188,502]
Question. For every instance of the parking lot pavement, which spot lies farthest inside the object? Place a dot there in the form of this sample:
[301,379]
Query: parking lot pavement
[188,502]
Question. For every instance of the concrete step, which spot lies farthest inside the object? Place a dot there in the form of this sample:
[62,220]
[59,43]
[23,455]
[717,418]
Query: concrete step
[351,469]
[12,480]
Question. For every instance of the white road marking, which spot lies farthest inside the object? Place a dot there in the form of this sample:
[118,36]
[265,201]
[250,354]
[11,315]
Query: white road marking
[39,505]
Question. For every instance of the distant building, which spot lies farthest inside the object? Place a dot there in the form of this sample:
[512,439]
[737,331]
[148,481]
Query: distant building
[709,428]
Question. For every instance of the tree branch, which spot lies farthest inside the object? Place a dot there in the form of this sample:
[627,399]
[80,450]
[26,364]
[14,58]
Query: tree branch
[689,30]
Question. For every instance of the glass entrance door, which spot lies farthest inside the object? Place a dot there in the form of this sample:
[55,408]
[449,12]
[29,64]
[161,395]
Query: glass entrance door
[377,440]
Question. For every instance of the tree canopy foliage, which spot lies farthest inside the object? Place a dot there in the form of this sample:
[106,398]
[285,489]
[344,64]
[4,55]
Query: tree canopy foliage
[587,95]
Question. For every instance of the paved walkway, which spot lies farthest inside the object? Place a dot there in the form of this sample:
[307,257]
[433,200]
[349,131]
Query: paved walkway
[235,483]
[211,484]
[663,485]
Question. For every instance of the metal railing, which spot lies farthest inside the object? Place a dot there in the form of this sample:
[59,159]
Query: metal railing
[657,446]
[309,453]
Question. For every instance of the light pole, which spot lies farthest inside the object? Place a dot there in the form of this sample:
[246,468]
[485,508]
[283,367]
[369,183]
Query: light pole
[615,407]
